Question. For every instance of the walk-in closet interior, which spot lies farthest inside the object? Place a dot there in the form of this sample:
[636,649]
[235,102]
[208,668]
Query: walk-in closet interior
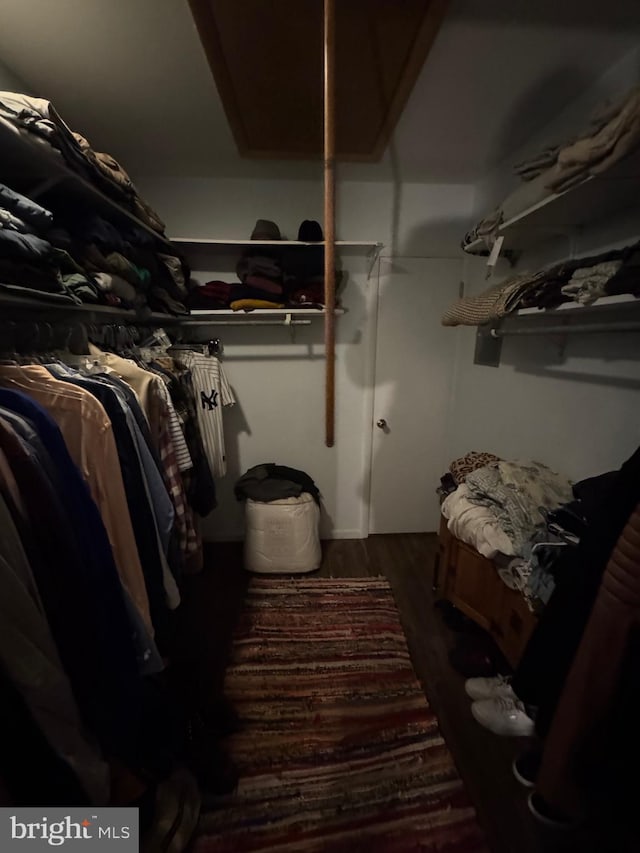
[319,425]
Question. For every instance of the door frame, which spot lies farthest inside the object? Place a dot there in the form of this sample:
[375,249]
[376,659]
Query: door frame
[370,345]
[370,341]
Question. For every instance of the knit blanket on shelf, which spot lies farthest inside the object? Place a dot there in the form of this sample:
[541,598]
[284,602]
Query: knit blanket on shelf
[490,305]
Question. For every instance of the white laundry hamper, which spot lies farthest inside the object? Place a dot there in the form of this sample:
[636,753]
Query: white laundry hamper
[282,536]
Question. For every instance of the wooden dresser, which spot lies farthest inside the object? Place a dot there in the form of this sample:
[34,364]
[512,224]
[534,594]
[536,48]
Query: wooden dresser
[471,582]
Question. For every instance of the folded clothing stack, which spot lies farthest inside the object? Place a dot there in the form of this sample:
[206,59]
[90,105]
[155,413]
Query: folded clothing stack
[581,280]
[270,276]
[612,133]
[39,118]
[29,262]
[84,260]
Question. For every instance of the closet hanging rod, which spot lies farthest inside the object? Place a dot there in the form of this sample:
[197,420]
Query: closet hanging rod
[568,330]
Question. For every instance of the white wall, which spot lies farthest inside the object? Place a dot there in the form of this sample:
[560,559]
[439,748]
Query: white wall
[574,405]
[575,408]
[279,384]
[419,220]
[9,82]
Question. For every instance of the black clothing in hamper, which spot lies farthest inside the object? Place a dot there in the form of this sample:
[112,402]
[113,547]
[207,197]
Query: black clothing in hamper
[80,599]
[270,482]
[543,670]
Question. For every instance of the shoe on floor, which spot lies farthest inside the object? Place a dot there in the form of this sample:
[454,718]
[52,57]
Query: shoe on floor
[548,815]
[526,766]
[503,716]
[489,688]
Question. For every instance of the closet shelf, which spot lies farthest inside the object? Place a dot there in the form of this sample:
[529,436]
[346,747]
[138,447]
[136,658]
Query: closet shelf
[607,315]
[200,243]
[35,167]
[259,316]
[560,214]
[574,308]
[84,312]
[105,313]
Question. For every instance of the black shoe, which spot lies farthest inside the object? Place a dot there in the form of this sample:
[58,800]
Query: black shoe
[526,766]
[547,815]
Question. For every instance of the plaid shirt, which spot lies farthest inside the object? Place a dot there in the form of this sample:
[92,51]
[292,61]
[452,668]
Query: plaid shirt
[188,540]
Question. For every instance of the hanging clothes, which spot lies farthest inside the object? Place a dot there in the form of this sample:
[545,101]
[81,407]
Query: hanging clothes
[102,467]
[137,493]
[29,657]
[80,589]
[88,434]
[200,484]
[160,414]
[594,680]
[212,393]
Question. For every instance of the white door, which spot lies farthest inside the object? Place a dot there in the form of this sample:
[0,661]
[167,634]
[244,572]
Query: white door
[413,377]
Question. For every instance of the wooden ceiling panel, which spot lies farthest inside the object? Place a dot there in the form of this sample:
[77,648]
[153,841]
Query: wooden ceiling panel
[266,58]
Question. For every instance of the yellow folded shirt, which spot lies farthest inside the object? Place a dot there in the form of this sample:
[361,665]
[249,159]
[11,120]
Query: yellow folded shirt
[250,304]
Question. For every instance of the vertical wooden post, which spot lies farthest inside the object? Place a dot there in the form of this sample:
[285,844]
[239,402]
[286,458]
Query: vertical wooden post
[329,219]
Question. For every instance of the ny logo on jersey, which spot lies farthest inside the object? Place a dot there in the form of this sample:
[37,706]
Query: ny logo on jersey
[211,402]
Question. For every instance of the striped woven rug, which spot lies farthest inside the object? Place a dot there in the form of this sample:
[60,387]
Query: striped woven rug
[338,750]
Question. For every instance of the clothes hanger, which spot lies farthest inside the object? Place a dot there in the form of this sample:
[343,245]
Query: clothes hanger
[215,347]
[78,340]
[46,342]
[77,346]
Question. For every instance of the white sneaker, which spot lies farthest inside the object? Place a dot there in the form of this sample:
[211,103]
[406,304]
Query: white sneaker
[489,688]
[503,716]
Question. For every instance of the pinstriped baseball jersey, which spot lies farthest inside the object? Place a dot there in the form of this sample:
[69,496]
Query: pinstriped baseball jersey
[212,393]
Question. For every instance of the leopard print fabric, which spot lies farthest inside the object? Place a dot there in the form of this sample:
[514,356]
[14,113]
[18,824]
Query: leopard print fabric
[462,467]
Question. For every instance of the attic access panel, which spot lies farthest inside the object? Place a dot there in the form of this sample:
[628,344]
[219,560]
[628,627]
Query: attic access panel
[267,61]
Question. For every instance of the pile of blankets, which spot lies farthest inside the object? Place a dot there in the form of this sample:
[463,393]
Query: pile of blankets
[499,506]
[521,515]
[534,574]
[84,260]
[612,133]
[580,280]
[39,118]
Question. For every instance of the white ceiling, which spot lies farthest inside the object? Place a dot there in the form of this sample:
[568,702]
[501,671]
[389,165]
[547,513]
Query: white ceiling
[131,76]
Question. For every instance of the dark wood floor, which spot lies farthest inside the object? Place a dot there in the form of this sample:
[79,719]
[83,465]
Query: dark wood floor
[213,601]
